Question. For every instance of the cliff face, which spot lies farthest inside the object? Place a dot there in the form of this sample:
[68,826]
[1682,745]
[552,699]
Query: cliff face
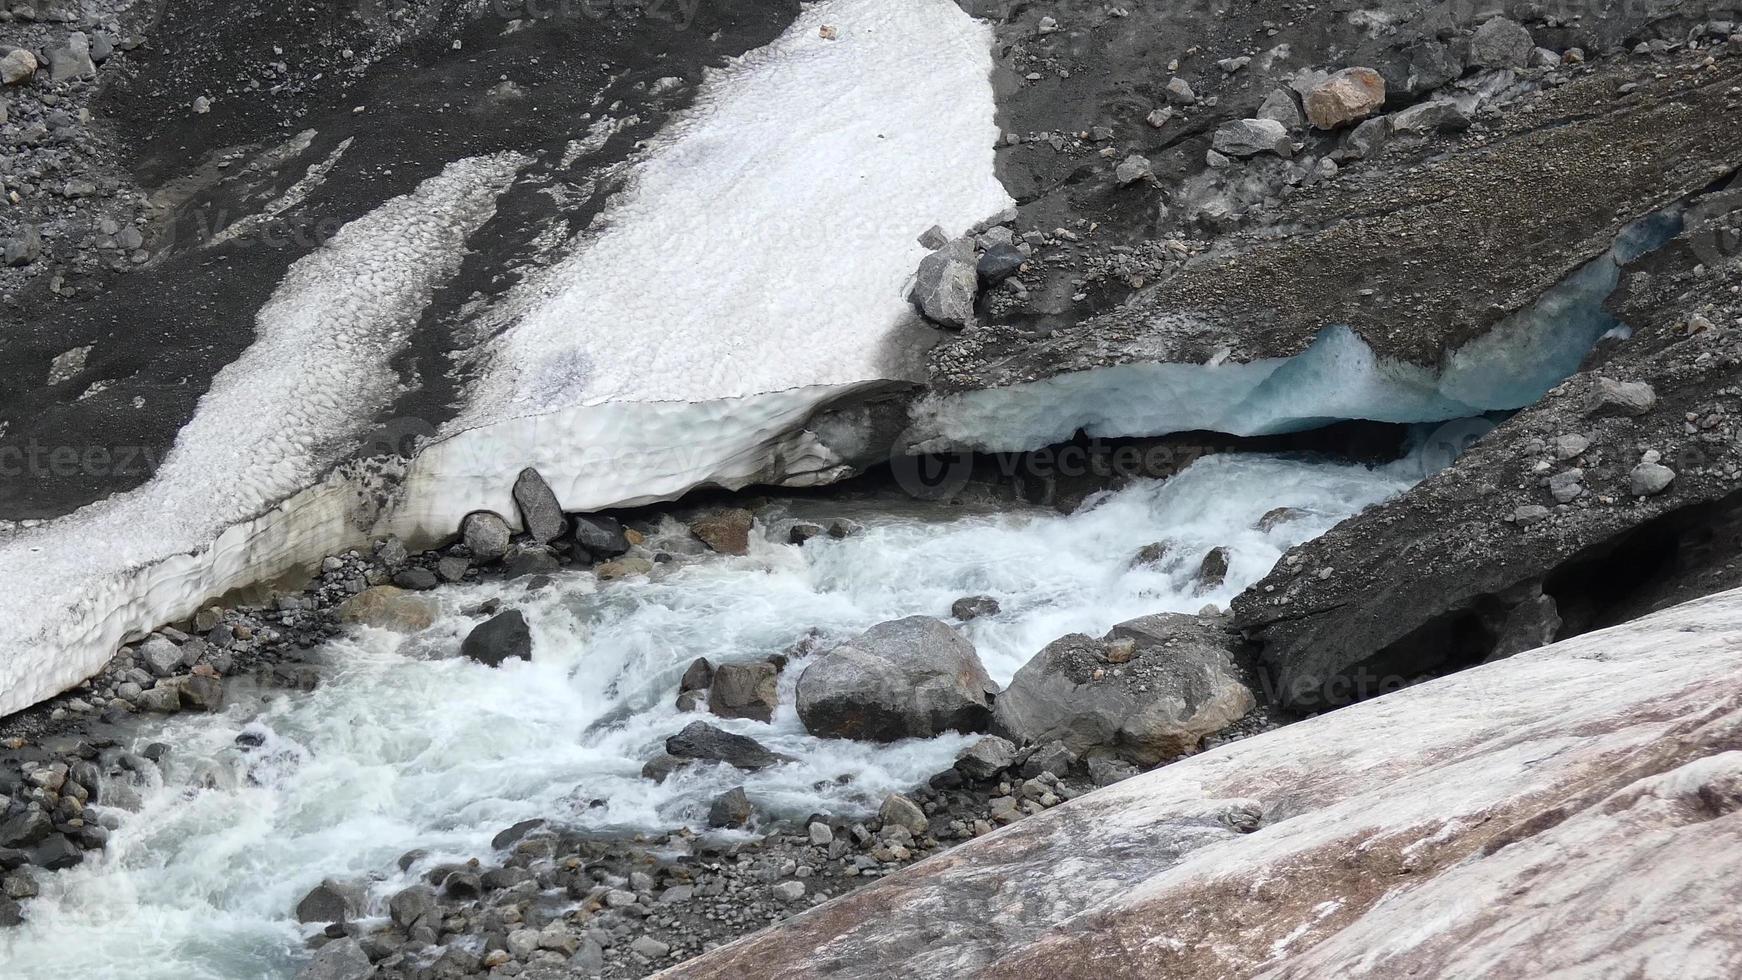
[1568,811]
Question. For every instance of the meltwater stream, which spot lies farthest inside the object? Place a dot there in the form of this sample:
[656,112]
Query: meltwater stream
[406,747]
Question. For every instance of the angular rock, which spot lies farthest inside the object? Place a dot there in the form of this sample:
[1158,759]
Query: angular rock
[1500,43]
[1280,106]
[486,535]
[159,656]
[745,690]
[57,853]
[730,809]
[1609,399]
[529,558]
[503,637]
[899,811]
[974,607]
[341,959]
[1181,685]
[72,59]
[1366,139]
[911,678]
[1346,97]
[540,512]
[18,67]
[26,829]
[725,531]
[412,904]
[1131,170]
[600,537]
[1430,117]
[1179,92]
[201,692]
[947,284]
[1249,137]
[1212,571]
[986,758]
[1650,478]
[390,608]
[999,263]
[700,740]
[416,579]
[331,901]
[698,676]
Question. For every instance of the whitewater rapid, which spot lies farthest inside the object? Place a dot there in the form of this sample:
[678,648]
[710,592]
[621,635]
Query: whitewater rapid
[404,746]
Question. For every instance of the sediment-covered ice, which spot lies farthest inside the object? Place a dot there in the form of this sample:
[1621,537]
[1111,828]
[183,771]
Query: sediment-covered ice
[753,271]
[1337,377]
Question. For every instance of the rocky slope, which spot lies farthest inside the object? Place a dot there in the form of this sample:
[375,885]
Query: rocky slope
[1572,809]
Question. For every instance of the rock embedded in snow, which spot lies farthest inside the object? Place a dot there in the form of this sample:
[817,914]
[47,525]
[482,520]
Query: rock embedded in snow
[1346,97]
[946,285]
[700,740]
[745,690]
[1650,478]
[910,678]
[486,535]
[1610,398]
[390,608]
[725,531]
[1250,137]
[505,636]
[1500,43]
[1177,682]
[540,511]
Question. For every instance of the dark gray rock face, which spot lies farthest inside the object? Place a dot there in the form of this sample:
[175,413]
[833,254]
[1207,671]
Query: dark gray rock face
[911,678]
[540,511]
[1503,550]
[331,901]
[503,637]
[341,959]
[1148,691]
[1500,43]
[730,809]
[702,741]
[600,537]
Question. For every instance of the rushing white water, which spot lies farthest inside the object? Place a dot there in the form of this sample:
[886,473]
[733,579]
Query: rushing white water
[407,747]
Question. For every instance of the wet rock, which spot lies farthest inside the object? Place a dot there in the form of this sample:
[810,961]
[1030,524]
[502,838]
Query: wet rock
[503,637]
[661,766]
[331,901]
[11,913]
[486,535]
[700,740]
[986,758]
[620,568]
[600,537]
[698,676]
[164,698]
[730,809]
[913,677]
[411,904]
[341,959]
[202,692]
[540,511]
[26,829]
[1180,684]
[725,531]
[1609,398]
[1346,97]
[946,285]
[745,690]
[974,607]
[416,579]
[390,608]
[1278,516]
[1151,554]
[1249,137]
[1212,571]
[1500,43]
[57,853]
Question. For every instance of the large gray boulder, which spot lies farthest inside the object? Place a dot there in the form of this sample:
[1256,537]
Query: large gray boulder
[1500,43]
[1250,137]
[486,535]
[947,284]
[540,511]
[503,637]
[745,690]
[911,678]
[1148,691]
